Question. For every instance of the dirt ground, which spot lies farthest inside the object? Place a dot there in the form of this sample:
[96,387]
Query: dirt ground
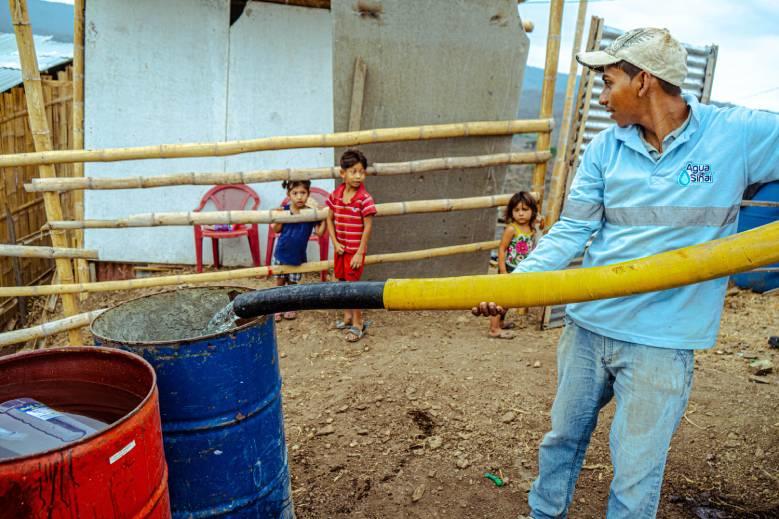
[406,422]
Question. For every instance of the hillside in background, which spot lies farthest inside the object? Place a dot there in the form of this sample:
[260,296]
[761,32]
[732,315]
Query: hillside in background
[530,96]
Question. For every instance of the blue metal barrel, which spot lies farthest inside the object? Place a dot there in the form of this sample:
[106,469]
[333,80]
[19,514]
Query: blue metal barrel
[749,218]
[220,402]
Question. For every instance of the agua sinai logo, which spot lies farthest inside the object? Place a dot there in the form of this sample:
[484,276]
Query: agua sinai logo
[696,174]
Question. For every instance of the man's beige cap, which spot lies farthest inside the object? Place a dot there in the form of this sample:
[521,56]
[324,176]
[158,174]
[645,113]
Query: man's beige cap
[650,49]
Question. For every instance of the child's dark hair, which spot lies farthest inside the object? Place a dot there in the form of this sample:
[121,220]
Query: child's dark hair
[351,157]
[525,198]
[289,185]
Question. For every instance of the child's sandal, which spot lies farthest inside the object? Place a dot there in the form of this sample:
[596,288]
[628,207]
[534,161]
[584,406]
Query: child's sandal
[355,334]
[342,325]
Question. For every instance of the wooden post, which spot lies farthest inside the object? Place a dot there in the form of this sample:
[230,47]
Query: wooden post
[547,93]
[358,94]
[557,187]
[82,268]
[42,141]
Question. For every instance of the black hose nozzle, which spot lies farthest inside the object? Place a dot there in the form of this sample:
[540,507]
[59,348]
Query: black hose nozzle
[315,296]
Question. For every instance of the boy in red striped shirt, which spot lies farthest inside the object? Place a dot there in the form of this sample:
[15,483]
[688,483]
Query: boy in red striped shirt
[349,224]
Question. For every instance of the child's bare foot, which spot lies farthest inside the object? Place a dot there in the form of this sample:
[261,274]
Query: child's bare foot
[506,326]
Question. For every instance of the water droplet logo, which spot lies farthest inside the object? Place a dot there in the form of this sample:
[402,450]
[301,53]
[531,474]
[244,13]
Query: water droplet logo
[684,178]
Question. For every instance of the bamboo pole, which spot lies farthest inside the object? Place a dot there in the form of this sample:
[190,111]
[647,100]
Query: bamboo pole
[22,251]
[275,216]
[227,275]
[69,324]
[77,123]
[557,186]
[42,141]
[277,175]
[759,203]
[547,93]
[327,140]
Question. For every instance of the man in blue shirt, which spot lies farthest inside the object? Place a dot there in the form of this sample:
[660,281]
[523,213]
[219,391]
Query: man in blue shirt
[671,173]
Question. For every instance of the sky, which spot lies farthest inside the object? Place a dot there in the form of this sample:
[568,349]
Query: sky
[747,33]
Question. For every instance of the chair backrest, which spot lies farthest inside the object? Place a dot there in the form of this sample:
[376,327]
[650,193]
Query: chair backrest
[231,197]
[320,195]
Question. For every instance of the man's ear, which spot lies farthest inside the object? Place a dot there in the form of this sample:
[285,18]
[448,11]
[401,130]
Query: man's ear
[644,80]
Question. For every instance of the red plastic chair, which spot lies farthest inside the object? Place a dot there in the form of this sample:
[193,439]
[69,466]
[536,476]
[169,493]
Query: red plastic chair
[228,198]
[320,195]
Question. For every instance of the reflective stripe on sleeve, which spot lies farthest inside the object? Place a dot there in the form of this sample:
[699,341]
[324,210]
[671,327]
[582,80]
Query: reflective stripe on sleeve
[581,211]
[672,216]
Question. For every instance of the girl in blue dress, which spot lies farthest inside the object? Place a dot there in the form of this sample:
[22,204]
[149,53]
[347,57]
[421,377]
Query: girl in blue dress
[293,237]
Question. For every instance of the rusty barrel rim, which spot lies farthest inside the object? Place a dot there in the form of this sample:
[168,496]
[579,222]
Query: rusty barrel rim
[83,350]
[103,339]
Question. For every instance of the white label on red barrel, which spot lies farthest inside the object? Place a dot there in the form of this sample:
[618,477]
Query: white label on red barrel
[116,457]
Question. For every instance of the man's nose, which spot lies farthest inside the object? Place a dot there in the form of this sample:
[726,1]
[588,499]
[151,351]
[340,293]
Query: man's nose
[602,99]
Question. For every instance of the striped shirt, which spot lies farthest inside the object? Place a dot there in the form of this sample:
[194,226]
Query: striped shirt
[349,218]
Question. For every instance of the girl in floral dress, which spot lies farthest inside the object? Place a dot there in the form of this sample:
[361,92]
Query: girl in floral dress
[518,240]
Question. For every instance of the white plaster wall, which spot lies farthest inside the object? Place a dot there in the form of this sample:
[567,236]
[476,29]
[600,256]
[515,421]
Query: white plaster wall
[280,83]
[174,71]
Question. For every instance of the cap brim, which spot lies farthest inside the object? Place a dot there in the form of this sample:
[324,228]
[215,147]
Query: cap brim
[596,59]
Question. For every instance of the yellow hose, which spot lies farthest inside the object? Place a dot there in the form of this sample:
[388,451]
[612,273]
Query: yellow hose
[737,253]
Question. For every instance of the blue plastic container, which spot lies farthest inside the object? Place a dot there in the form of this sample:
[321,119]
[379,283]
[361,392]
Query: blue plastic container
[220,402]
[749,218]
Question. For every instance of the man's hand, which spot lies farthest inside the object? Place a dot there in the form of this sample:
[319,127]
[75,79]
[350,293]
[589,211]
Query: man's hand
[487,309]
[339,249]
[357,260]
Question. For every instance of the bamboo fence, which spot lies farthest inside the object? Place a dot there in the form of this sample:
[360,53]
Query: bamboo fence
[327,140]
[22,214]
[22,251]
[558,181]
[36,108]
[274,216]
[547,92]
[210,277]
[277,175]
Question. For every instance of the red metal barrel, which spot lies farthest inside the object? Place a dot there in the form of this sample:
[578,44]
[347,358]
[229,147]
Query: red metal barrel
[117,472]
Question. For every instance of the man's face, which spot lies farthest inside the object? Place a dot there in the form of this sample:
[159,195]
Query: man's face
[620,96]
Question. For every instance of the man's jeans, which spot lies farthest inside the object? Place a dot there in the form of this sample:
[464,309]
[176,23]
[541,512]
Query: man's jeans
[651,386]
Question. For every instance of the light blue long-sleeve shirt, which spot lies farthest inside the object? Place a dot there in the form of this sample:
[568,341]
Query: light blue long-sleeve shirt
[637,207]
